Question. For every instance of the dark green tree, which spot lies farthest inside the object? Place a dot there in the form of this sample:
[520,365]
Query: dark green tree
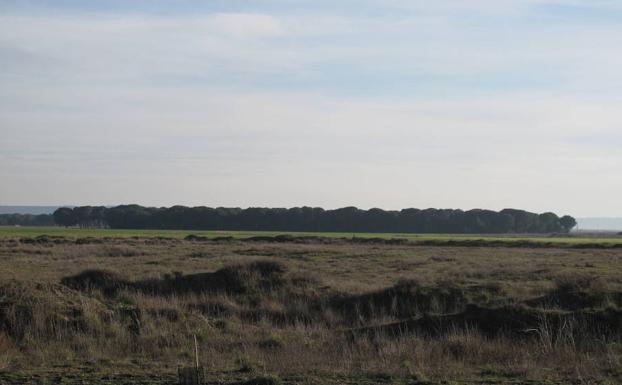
[65,216]
[568,223]
[346,219]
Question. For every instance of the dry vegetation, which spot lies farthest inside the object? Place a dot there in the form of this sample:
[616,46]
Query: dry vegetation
[307,311]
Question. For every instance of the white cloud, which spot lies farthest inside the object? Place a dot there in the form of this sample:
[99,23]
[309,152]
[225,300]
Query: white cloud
[244,26]
[195,109]
[147,49]
[493,6]
[78,49]
[207,145]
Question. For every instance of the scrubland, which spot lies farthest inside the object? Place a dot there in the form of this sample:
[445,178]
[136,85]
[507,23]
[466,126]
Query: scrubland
[307,310]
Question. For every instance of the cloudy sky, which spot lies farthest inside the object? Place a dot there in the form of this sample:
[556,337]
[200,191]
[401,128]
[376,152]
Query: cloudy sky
[372,103]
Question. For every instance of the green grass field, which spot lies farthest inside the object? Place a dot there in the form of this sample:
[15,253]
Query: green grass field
[6,232]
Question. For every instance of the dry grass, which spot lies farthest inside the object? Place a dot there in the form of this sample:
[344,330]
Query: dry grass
[287,308]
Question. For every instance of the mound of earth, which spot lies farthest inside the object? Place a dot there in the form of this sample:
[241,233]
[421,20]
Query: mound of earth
[44,309]
[246,278]
[506,320]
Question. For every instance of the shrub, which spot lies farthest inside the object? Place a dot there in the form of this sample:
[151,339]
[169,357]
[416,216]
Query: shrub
[245,364]
[272,342]
[106,281]
[264,380]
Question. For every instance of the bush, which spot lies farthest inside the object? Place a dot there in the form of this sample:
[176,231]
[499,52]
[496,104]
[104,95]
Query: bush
[578,292]
[106,281]
[272,342]
[245,364]
[264,380]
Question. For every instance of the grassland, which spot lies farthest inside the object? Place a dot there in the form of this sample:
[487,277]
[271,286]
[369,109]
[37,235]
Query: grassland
[8,232]
[84,307]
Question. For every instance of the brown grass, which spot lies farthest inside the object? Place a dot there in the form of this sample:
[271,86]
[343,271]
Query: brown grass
[263,307]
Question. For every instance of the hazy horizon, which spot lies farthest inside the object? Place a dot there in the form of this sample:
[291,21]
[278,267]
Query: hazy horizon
[390,104]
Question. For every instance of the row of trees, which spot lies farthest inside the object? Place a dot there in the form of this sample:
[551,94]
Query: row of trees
[26,220]
[347,219]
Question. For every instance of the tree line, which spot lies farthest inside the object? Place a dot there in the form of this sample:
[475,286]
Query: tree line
[347,219]
[26,220]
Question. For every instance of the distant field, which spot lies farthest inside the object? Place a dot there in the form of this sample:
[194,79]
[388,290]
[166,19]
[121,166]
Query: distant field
[75,232]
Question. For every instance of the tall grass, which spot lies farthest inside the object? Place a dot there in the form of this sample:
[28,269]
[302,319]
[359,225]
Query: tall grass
[278,326]
[262,316]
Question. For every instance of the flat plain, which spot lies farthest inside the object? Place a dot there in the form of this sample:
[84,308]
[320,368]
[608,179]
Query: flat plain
[114,306]
[606,238]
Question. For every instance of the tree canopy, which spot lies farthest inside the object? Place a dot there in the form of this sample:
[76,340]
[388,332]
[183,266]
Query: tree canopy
[347,219]
[26,220]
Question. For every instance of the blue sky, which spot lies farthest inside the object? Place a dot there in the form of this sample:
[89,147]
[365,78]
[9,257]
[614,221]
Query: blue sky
[372,103]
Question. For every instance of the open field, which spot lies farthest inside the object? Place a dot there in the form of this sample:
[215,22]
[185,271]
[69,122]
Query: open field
[7,232]
[124,309]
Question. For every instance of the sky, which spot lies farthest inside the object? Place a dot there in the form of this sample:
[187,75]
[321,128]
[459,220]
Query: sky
[281,103]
